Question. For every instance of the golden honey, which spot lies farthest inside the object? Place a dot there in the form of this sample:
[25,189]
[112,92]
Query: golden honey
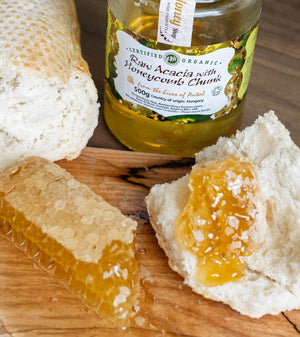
[174,119]
[217,223]
[90,249]
[99,285]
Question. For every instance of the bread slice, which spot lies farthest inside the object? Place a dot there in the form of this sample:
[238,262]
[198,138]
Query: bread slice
[85,242]
[272,281]
[48,100]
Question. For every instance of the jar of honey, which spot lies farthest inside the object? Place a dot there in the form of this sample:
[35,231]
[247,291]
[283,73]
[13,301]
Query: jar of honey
[177,71]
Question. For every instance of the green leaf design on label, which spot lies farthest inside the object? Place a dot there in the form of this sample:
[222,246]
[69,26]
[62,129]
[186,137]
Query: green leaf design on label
[246,71]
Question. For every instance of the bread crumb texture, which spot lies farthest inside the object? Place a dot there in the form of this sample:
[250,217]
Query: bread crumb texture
[271,283]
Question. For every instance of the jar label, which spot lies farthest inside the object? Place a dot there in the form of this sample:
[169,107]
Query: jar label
[171,83]
[180,84]
[175,22]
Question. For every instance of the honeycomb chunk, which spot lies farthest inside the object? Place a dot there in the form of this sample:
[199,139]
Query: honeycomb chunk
[41,36]
[86,243]
[218,224]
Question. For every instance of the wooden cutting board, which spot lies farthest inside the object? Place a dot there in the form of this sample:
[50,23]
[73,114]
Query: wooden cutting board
[33,304]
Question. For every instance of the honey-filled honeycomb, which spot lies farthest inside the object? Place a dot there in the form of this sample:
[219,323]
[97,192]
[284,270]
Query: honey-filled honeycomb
[218,223]
[87,244]
[41,36]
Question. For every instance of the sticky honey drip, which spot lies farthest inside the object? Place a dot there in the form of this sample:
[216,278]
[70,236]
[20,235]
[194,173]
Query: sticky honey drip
[216,224]
[109,287]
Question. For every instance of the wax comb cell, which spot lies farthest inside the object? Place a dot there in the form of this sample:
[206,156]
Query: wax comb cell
[86,243]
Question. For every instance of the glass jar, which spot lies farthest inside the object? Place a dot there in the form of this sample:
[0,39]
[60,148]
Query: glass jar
[176,96]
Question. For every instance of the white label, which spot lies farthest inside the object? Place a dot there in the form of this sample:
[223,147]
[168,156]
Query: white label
[175,22]
[171,83]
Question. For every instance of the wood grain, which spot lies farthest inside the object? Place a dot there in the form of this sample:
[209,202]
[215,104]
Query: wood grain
[275,78]
[33,304]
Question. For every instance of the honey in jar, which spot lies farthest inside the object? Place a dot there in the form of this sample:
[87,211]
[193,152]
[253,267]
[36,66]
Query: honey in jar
[177,71]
